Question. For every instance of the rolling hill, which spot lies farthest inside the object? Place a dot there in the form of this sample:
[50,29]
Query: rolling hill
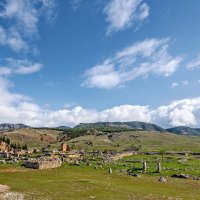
[183,130]
[122,125]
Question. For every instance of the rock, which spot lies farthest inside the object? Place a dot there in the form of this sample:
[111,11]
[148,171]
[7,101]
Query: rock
[162,179]
[110,170]
[181,176]
[76,163]
[135,175]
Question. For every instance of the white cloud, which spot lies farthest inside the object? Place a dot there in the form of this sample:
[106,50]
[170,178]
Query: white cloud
[12,39]
[184,112]
[140,60]
[175,84]
[5,71]
[17,108]
[181,83]
[14,66]
[123,14]
[36,67]
[185,83]
[194,64]
[21,18]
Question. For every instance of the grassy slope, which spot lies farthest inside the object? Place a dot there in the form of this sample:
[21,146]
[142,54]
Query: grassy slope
[82,183]
[147,141]
[33,137]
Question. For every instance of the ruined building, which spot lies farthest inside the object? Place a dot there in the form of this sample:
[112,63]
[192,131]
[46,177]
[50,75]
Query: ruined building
[43,163]
[65,147]
[4,147]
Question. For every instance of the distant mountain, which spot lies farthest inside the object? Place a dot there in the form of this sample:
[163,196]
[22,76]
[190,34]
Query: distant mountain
[122,125]
[11,127]
[184,130]
[62,127]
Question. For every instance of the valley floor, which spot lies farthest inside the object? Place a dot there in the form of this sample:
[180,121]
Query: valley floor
[71,182]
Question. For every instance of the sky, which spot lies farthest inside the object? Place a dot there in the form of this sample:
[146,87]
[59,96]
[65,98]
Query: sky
[80,61]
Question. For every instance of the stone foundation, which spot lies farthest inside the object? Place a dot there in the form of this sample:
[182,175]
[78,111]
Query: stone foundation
[43,163]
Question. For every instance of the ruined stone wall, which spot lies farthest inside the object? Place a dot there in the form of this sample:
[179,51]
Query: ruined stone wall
[121,155]
[5,147]
[43,163]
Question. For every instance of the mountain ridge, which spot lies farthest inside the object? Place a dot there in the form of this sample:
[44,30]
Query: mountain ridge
[132,125]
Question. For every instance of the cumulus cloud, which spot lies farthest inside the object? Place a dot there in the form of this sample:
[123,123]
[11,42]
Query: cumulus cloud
[124,14]
[17,108]
[21,19]
[184,112]
[140,60]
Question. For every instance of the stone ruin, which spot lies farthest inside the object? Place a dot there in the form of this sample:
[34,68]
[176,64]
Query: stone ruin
[4,147]
[43,163]
[65,147]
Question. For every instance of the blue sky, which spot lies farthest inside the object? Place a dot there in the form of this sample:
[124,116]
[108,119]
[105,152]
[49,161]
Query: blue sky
[66,62]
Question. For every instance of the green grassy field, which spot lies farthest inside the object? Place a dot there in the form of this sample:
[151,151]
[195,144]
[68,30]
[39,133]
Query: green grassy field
[85,182]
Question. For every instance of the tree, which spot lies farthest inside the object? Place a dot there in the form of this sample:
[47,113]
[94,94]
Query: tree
[162,153]
[24,147]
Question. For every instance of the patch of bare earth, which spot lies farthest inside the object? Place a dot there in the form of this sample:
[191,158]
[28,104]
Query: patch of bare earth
[6,194]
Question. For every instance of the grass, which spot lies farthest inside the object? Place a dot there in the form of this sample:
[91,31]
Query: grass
[84,182]
[143,140]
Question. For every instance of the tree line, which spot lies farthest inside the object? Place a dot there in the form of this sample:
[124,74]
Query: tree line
[13,145]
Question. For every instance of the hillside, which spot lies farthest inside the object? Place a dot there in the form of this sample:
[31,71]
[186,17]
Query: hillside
[11,127]
[137,140]
[32,137]
[183,130]
[122,125]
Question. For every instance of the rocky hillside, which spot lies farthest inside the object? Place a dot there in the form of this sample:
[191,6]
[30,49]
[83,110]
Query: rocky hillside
[11,127]
[183,130]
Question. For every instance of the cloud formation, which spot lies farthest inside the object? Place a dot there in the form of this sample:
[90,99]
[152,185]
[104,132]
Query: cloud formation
[121,15]
[140,60]
[16,66]
[181,83]
[20,21]
[194,64]
[17,108]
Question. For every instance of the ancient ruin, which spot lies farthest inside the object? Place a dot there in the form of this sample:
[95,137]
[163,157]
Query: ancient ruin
[65,147]
[43,163]
[4,147]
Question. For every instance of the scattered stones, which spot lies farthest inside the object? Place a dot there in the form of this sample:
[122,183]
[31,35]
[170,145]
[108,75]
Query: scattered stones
[135,175]
[11,196]
[162,179]
[5,194]
[181,176]
[76,163]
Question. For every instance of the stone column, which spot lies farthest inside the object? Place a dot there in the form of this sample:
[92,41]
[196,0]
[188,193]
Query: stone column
[110,170]
[159,168]
[7,155]
[144,167]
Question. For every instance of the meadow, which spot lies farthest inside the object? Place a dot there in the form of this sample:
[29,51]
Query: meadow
[70,182]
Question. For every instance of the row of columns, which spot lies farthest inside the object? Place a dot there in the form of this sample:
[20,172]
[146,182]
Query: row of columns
[159,168]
